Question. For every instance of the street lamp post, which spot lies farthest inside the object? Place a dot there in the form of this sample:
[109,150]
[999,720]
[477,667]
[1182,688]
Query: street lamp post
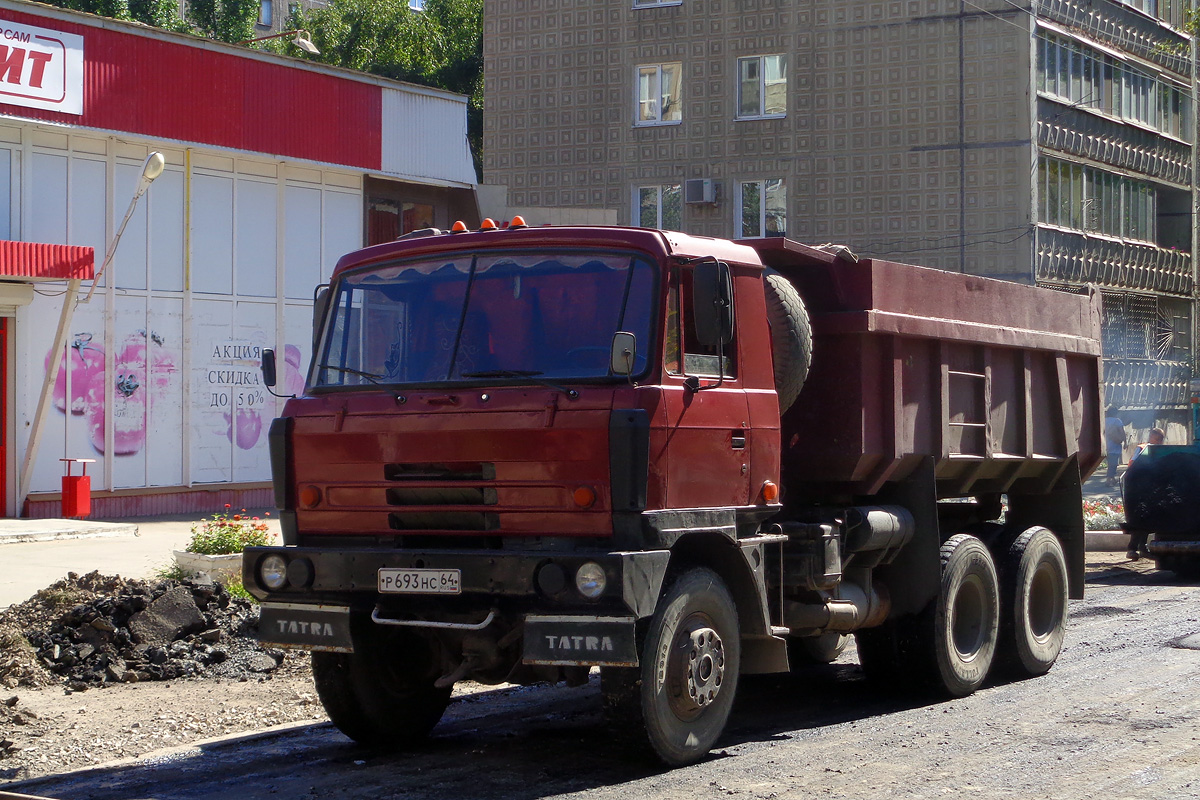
[151,169]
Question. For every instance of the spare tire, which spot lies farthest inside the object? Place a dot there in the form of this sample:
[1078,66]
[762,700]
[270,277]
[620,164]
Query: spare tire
[791,337]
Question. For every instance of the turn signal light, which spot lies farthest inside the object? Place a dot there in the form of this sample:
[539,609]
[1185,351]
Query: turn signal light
[459,227]
[584,496]
[488,224]
[770,492]
[310,497]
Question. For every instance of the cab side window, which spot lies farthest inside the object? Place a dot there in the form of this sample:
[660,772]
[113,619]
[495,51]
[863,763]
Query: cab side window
[683,354]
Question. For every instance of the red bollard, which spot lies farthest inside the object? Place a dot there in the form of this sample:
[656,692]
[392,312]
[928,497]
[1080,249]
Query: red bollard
[77,490]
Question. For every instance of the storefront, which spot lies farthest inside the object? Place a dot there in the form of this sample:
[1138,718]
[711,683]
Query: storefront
[268,164]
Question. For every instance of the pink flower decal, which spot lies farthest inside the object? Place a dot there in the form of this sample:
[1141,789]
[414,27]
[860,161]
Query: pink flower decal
[249,427]
[293,375]
[86,360]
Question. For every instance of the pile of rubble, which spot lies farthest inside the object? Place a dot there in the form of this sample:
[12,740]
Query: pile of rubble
[95,630]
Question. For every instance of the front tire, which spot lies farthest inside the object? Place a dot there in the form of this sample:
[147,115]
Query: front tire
[382,694]
[1035,602]
[678,701]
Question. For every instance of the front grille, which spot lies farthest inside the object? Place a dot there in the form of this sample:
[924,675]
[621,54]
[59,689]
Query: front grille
[427,488]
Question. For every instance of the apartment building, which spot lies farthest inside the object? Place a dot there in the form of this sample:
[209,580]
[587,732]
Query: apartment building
[1046,142]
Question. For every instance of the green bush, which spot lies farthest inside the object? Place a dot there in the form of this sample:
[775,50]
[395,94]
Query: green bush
[227,533]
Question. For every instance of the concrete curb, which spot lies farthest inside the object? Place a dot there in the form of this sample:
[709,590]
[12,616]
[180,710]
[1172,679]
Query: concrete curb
[48,530]
[1105,541]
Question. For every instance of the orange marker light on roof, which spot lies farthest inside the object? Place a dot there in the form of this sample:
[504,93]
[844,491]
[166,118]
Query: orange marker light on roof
[518,222]
[458,227]
[488,224]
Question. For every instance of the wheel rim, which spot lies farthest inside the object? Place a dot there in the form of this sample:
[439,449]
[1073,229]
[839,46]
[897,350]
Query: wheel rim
[966,628]
[1045,601]
[696,670]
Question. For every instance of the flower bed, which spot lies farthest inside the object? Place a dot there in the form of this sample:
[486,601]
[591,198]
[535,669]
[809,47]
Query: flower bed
[1103,515]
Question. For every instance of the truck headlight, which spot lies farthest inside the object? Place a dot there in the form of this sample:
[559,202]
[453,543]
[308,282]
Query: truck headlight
[272,572]
[590,580]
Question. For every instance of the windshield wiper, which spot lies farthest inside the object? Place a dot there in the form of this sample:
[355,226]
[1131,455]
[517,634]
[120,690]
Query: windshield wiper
[371,376]
[504,373]
[521,373]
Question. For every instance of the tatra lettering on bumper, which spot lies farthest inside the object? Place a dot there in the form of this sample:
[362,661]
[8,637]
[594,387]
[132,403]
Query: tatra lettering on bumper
[305,627]
[595,641]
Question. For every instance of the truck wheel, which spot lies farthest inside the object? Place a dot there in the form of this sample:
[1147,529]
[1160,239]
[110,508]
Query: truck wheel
[679,699]
[383,693]
[966,616]
[823,649]
[791,337]
[1034,620]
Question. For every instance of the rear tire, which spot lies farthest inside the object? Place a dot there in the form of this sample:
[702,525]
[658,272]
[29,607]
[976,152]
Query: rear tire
[382,694]
[948,647]
[678,701]
[966,616]
[1035,602]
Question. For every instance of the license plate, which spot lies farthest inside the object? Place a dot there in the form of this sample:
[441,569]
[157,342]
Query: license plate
[420,581]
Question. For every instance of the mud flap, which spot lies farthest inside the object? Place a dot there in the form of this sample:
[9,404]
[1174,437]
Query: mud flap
[591,641]
[305,627]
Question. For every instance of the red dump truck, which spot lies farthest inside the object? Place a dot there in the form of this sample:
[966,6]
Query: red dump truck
[523,453]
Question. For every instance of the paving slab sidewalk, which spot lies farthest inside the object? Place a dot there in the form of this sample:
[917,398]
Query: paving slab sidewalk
[131,548]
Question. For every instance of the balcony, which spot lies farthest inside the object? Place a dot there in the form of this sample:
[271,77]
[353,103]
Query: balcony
[1138,384]
[1078,258]
[1088,135]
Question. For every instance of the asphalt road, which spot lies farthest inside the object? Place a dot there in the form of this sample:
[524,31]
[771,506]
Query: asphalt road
[1118,717]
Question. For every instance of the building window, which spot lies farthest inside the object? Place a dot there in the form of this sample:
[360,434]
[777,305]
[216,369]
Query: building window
[659,207]
[265,14]
[658,94]
[1086,78]
[762,87]
[1092,200]
[416,5]
[764,209]
[651,3]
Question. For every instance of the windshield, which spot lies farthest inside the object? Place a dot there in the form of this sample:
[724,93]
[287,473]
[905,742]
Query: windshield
[513,316]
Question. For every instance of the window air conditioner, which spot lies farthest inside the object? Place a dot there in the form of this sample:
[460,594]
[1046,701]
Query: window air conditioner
[699,190]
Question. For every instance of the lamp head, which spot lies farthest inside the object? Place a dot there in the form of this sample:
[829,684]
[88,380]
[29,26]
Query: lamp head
[150,170]
[304,43]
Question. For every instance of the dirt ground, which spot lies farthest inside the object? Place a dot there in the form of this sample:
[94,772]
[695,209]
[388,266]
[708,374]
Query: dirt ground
[53,729]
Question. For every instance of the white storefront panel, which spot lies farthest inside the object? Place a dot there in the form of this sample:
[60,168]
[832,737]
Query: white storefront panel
[168,392]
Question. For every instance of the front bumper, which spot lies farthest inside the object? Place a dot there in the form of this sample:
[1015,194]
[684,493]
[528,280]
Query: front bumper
[536,581]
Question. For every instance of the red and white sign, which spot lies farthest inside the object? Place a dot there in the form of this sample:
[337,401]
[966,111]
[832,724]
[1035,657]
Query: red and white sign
[41,68]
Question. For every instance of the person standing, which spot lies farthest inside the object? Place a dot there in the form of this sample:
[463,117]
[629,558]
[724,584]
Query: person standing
[1114,437]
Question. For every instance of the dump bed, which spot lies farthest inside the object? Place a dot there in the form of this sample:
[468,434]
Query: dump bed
[997,382]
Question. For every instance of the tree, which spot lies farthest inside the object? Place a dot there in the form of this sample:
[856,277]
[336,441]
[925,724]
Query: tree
[440,46]
[223,20]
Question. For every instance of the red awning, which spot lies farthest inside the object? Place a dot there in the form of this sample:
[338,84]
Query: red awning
[37,261]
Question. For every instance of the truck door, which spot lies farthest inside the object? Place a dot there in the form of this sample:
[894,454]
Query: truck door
[707,453]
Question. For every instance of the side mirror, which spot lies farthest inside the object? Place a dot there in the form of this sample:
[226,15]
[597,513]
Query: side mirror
[712,303]
[624,353]
[268,367]
[320,308]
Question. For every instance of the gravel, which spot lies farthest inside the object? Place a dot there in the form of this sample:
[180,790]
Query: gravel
[174,662]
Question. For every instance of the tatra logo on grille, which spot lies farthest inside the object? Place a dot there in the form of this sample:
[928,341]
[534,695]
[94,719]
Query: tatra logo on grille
[304,627]
[579,644]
